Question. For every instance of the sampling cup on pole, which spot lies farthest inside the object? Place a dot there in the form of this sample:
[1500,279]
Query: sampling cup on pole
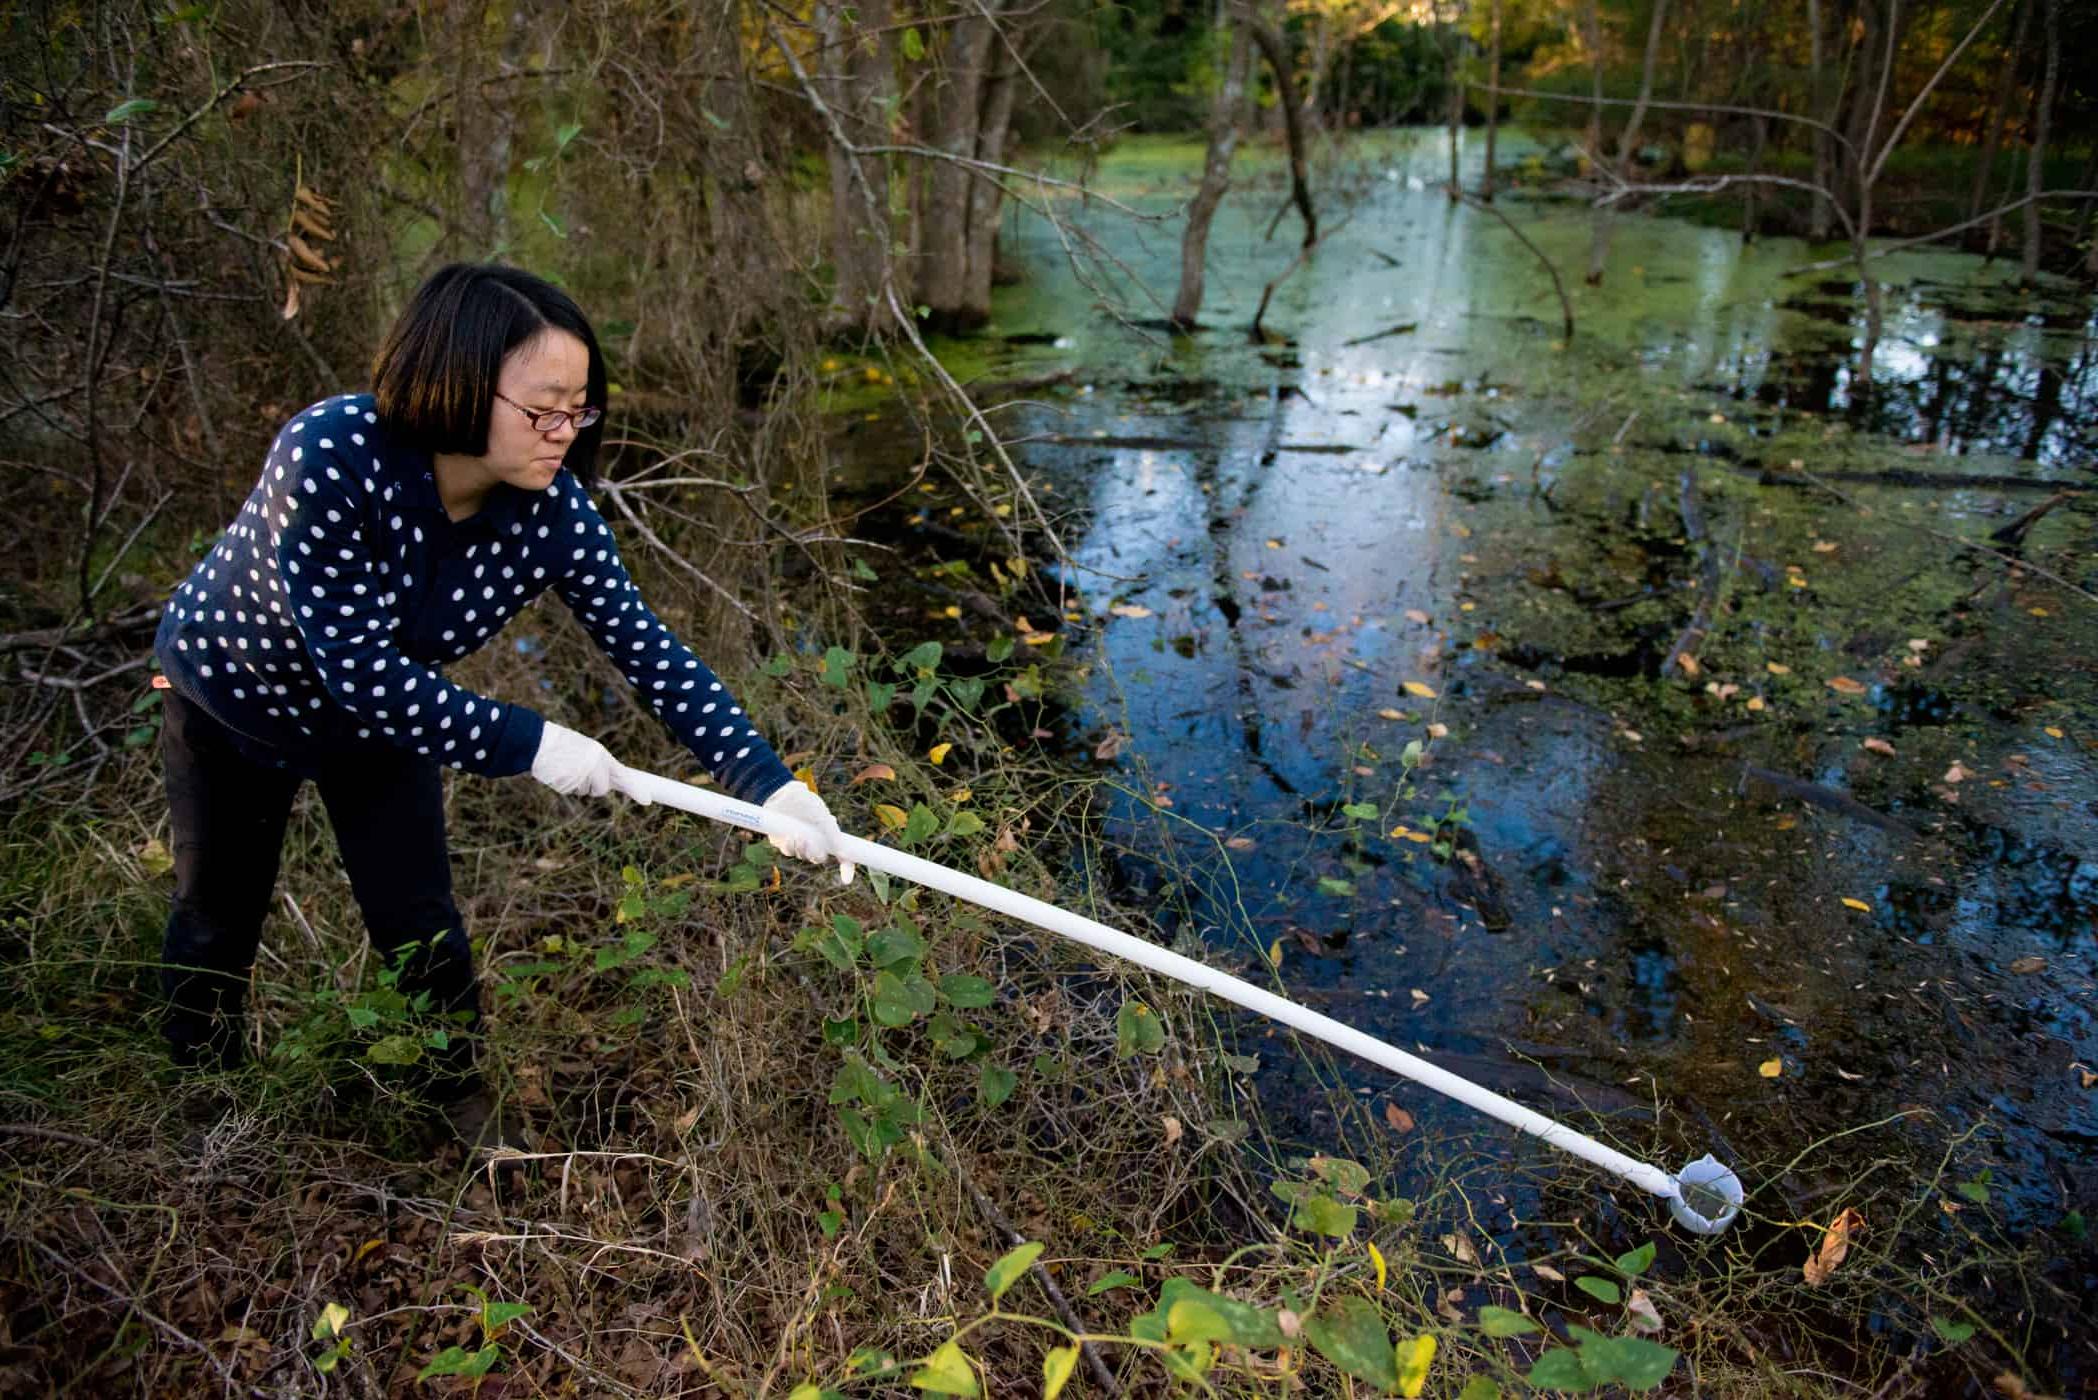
[1703,1198]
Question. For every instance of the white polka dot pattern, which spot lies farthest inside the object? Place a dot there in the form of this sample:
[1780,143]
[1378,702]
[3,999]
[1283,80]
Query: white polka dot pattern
[322,615]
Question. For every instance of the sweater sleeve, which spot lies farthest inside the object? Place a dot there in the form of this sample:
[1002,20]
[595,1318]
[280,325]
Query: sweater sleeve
[346,609]
[684,694]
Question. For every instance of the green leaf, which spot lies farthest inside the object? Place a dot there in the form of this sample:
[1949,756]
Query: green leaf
[567,134]
[1006,1272]
[1952,1332]
[1561,1369]
[1247,1325]
[994,1085]
[1348,1178]
[1632,1362]
[807,1390]
[1332,885]
[1360,811]
[947,1372]
[1192,1320]
[965,824]
[553,224]
[895,946]
[966,991]
[1638,1261]
[496,1316]
[395,1050]
[1137,1031]
[1976,1191]
[913,45]
[837,662]
[1599,1288]
[898,1001]
[1321,1214]
[923,823]
[1504,1322]
[458,1361]
[1479,1388]
[128,110]
[1108,1282]
[1057,1365]
[1351,1335]
[999,649]
[719,123]
[923,657]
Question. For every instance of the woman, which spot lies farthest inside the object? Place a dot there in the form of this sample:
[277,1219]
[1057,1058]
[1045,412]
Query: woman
[390,535]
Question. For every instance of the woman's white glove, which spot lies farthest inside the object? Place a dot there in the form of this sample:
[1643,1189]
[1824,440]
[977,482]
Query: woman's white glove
[575,764]
[798,801]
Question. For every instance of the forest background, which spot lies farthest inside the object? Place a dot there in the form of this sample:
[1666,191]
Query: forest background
[788,1137]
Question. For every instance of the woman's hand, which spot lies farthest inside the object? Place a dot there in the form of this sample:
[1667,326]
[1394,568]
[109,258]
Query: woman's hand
[573,763]
[798,801]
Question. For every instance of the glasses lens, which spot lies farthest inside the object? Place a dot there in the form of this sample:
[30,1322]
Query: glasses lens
[588,416]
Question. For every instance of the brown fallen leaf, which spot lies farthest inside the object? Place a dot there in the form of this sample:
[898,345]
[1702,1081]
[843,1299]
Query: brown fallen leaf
[1397,1119]
[1420,689]
[1547,1273]
[1957,774]
[1416,615]
[1239,843]
[1689,664]
[1835,1244]
[1879,746]
[2028,964]
[1107,749]
[1844,685]
[1640,1308]
[1777,669]
[1174,1130]
[1461,1249]
[1130,610]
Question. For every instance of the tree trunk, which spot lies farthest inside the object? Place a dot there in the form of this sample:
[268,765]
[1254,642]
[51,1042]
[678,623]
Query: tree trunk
[943,273]
[1999,107]
[858,81]
[1594,137]
[1821,110]
[986,194]
[1493,97]
[1315,71]
[1628,143]
[1749,202]
[1277,55]
[2036,163]
[1224,117]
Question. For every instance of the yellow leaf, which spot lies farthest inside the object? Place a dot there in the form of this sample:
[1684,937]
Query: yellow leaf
[1466,607]
[894,818]
[1438,731]
[158,861]
[959,796]
[1389,713]
[2037,612]
[807,777]
[938,753]
[1777,669]
[1274,544]
[1755,702]
[1130,610]
[1414,1358]
[1688,662]
[1425,692]
[871,772]
[1377,1259]
[1771,1069]
[1037,639]
[1419,838]
[2052,732]
[1844,685]
[1016,566]
[1057,1366]
[1275,953]
[951,610]
[1416,615]
[1858,904]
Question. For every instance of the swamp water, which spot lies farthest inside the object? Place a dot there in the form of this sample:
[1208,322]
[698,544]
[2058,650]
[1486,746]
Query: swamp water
[1845,873]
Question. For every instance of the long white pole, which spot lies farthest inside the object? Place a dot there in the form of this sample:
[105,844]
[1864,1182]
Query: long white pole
[718,806]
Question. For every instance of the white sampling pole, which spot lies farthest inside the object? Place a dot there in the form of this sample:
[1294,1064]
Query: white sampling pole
[1717,1191]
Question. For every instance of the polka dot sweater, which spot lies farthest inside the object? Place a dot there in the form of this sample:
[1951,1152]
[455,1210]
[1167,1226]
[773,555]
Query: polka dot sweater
[323,618]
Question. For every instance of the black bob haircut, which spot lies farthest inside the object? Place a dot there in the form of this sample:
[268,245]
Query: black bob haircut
[435,375]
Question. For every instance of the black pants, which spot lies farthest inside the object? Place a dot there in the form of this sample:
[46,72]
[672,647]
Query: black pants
[229,815]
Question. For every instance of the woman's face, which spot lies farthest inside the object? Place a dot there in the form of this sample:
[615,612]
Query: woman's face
[549,371]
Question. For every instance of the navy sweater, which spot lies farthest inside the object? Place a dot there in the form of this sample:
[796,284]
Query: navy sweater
[322,619]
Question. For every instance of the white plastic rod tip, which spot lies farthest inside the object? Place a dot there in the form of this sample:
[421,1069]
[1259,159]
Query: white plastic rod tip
[1707,1197]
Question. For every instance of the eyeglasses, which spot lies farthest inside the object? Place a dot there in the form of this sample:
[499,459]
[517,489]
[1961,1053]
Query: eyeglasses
[551,420]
